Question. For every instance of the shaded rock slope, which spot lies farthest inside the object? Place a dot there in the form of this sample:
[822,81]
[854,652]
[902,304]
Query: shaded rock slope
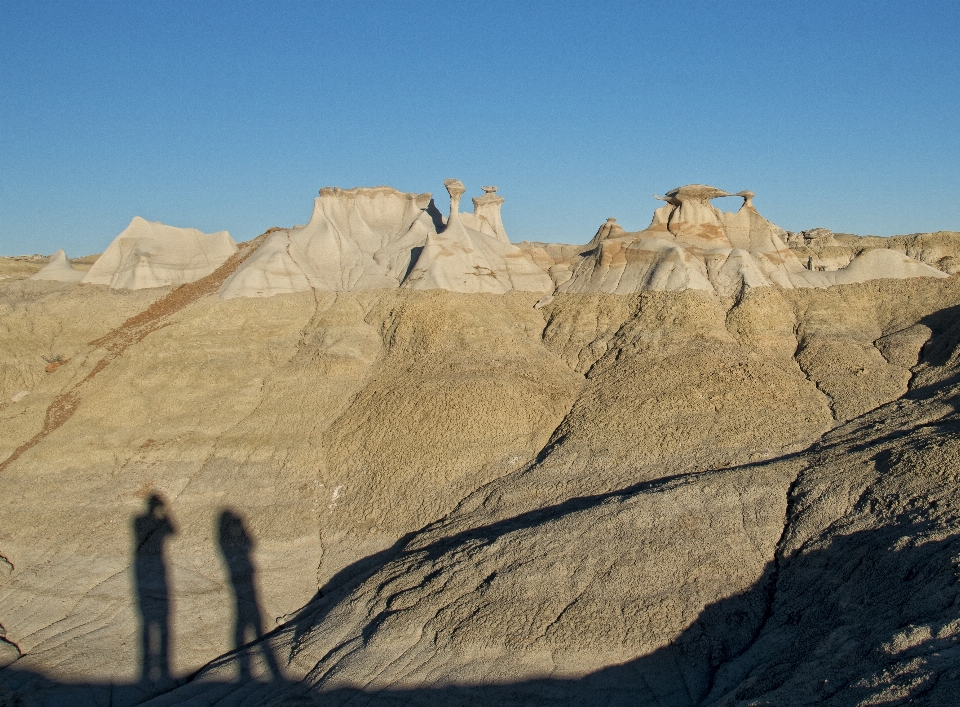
[394,496]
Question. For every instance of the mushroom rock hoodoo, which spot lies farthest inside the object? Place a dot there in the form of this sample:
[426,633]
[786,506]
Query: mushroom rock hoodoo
[463,259]
[356,239]
[152,254]
[486,215]
[690,217]
[59,269]
[691,244]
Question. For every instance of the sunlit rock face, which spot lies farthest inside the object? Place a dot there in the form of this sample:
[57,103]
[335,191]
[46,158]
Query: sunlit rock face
[370,238]
[381,238]
[463,259]
[356,239]
[150,254]
[58,269]
[691,244]
[486,216]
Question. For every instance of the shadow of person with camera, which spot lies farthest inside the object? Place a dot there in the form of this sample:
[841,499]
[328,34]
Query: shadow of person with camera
[151,529]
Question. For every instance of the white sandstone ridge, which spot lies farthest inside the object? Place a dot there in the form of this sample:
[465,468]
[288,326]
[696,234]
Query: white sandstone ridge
[692,245]
[356,239]
[369,238]
[151,254]
[58,269]
[378,237]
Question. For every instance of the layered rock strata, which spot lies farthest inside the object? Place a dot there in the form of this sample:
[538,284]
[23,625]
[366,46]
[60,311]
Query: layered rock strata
[462,259]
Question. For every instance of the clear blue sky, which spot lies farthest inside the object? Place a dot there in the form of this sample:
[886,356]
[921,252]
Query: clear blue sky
[232,115]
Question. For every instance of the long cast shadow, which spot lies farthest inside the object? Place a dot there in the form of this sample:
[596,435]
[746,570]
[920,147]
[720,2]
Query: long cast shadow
[739,649]
[151,530]
[236,546]
[845,585]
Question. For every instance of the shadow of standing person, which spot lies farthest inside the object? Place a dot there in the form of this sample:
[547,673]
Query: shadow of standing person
[150,531]
[236,546]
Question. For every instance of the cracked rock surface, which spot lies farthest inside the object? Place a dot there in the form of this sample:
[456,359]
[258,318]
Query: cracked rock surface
[429,497]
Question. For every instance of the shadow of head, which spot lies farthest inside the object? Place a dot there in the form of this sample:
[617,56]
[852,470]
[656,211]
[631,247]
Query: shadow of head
[233,536]
[156,506]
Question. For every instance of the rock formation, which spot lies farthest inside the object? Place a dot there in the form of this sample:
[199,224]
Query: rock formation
[486,215]
[881,263]
[271,270]
[691,244]
[461,259]
[380,238]
[58,269]
[150,254]
[718,485]
[356,239]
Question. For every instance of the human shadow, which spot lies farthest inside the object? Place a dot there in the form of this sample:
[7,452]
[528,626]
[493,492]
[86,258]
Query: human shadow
[151,529]
[236,546]
[815,627]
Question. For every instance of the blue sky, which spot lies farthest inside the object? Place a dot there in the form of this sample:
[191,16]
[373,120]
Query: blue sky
[232,115]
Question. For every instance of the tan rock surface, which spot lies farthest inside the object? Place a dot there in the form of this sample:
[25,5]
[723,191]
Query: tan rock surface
[823,577]
[449,497]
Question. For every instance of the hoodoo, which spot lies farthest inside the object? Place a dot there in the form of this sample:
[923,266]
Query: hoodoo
[151,254]
[381,238]
[462,259]
[692,245]
[59,269]
[486,215]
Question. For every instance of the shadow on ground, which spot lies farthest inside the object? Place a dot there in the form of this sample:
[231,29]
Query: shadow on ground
[867,585]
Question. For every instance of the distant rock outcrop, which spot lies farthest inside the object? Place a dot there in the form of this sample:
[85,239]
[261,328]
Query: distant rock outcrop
[58,269]
[881,263]
[357,239]
[691,244]
[381,238]
[371,238]
[461,259]
[151,254]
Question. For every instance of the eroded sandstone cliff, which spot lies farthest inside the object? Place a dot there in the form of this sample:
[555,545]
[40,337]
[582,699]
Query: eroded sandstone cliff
[422,497]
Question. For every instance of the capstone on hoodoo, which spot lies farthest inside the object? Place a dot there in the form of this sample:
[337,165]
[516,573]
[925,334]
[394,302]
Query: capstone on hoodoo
[692,245]
[369,238]
[374,238]
[463,259]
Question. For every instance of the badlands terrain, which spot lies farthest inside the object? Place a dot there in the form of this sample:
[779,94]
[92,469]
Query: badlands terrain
[390,457]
